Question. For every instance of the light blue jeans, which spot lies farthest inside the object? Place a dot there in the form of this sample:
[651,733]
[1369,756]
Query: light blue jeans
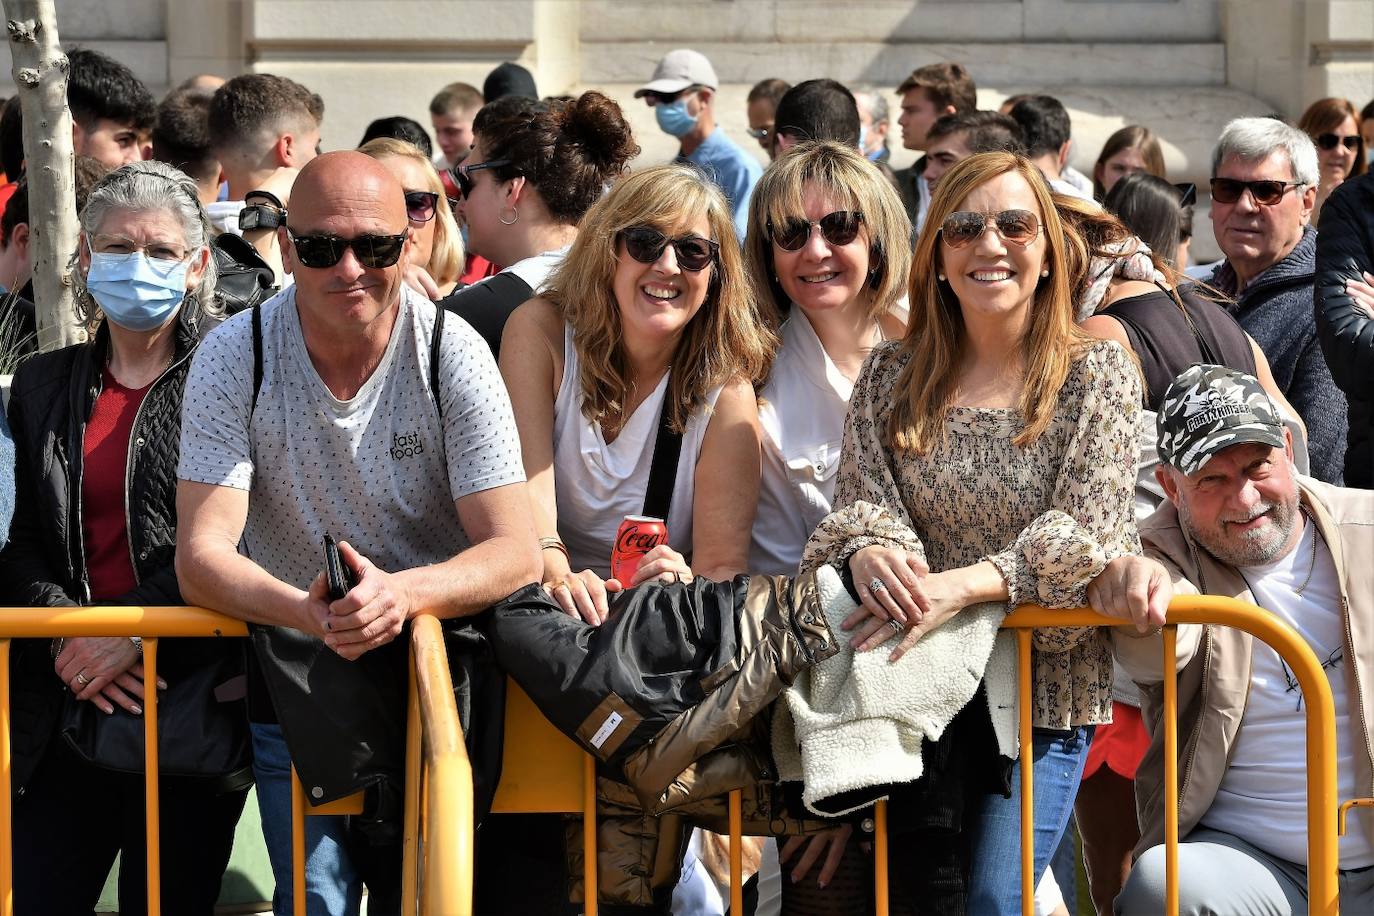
[995,881]
[332,886]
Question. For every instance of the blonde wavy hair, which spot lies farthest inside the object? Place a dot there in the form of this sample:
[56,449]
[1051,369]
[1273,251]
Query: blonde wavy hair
[851,182]
[935,338]
[727,338]
[447,258]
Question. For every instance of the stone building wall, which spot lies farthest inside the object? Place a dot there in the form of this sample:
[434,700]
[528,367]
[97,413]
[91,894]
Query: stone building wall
[1181,67]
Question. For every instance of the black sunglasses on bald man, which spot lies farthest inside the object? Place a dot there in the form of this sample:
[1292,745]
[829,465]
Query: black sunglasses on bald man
[372,251]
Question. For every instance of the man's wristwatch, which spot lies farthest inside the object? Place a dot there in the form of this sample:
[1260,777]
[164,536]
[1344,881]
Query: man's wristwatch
[267,215]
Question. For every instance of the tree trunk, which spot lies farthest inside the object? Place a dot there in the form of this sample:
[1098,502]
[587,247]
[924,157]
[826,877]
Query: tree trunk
[40,73]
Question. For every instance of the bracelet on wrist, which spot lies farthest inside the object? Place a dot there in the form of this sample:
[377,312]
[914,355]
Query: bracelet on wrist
[553,543]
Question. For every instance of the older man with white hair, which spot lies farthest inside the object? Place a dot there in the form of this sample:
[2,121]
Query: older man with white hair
[1264,183]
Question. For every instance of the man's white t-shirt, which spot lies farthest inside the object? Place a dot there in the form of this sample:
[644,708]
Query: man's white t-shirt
[376,470]
[1263,796]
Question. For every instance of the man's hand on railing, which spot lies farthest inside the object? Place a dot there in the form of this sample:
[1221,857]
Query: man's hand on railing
[1133,588]
[104,670]
[373,612]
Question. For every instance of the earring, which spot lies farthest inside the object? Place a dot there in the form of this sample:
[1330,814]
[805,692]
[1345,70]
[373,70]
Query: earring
[1045,273]
[940,277]
[514,217]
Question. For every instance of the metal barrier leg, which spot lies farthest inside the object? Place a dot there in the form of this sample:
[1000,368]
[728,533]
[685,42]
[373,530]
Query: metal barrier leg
[297,845]
[151,807]
[1170,638]
[589,888]
[410,857]
[880,853]
[1027,755]
[736,851]
[6,808]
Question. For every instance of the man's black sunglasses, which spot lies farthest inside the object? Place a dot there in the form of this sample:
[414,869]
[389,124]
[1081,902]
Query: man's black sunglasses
[1266,192]
[462,172]
[646,244]
[372,251]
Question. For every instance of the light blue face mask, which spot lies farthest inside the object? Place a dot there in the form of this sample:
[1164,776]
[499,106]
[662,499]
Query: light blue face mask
[134,291]
[673,118]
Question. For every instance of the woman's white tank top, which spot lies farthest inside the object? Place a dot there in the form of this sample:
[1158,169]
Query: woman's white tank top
[598,484]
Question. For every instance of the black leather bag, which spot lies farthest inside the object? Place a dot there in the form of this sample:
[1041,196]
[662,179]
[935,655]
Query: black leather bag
[201,716]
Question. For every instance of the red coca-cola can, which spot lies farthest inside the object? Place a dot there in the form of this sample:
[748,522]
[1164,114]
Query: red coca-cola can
[638,535]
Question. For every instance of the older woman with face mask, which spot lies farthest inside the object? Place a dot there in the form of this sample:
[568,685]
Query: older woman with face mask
[96,429]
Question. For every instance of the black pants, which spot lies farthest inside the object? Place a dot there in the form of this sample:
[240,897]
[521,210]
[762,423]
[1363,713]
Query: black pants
[72,818]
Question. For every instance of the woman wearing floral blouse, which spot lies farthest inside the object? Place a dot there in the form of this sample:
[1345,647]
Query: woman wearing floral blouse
[988,461]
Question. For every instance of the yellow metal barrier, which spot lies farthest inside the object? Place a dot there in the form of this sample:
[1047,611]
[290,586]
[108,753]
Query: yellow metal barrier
[439,829]
[541,766]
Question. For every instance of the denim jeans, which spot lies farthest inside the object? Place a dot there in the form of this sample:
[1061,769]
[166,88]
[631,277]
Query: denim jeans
[995,883]
[332,884]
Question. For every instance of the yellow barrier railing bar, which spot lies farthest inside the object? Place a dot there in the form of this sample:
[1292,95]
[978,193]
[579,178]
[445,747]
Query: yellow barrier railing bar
[6,801]
[151,802]
[1169,654]
[590,892]
[1322,851]
[446,828]
[736,851]
[1346,806]
[443,860]
[1027,742]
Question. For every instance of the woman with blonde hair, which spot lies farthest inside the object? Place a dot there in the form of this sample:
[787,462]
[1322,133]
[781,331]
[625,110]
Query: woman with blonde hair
[647,342]
[828,254]
[988,461]
[438,245]
[1131,149]
[1334,126]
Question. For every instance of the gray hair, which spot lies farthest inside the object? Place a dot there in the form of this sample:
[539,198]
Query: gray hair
[875,102]
[150,185]
[1253,139]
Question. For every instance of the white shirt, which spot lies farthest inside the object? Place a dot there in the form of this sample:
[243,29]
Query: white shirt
[1263,796]
[599,483]
[801,415]
[224,215]
[536,270]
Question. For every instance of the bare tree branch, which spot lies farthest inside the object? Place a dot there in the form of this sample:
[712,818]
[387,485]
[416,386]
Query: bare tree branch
[40,73]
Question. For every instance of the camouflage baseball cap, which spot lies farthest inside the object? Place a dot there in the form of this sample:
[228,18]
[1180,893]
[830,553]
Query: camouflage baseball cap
[1209,408]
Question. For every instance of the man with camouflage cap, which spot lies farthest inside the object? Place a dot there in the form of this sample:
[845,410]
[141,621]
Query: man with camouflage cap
[1240,522]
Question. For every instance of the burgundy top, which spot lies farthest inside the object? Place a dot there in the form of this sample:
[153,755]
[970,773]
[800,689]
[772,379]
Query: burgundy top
[106,450]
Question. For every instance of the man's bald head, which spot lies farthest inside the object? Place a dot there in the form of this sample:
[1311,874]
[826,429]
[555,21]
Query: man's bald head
[343,183]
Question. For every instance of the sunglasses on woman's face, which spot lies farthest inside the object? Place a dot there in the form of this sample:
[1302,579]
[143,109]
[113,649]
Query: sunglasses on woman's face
[1329,142]
[1266,192]
[838,228]
[372,251]
[421,205]
[646,246]
[1019,227]
[462,172]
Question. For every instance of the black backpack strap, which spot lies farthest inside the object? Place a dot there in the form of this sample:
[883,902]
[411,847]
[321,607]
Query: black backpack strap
[435,342]
[257,357]
[658,496]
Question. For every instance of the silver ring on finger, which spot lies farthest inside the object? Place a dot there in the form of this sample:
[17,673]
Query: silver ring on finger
[896,627]
[876,585]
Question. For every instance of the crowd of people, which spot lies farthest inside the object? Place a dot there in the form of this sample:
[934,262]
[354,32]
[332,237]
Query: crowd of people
[921,397]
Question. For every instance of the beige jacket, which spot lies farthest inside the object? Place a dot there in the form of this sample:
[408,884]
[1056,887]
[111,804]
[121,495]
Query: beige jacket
[1214,662]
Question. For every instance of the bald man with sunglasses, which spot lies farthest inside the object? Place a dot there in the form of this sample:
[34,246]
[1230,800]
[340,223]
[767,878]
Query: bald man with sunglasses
[345,406]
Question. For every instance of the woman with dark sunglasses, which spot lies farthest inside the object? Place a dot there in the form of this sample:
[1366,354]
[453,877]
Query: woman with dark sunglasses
[987,462]
[534,169]
[1334,125]
[437,261]
[647,329]
[828,254]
